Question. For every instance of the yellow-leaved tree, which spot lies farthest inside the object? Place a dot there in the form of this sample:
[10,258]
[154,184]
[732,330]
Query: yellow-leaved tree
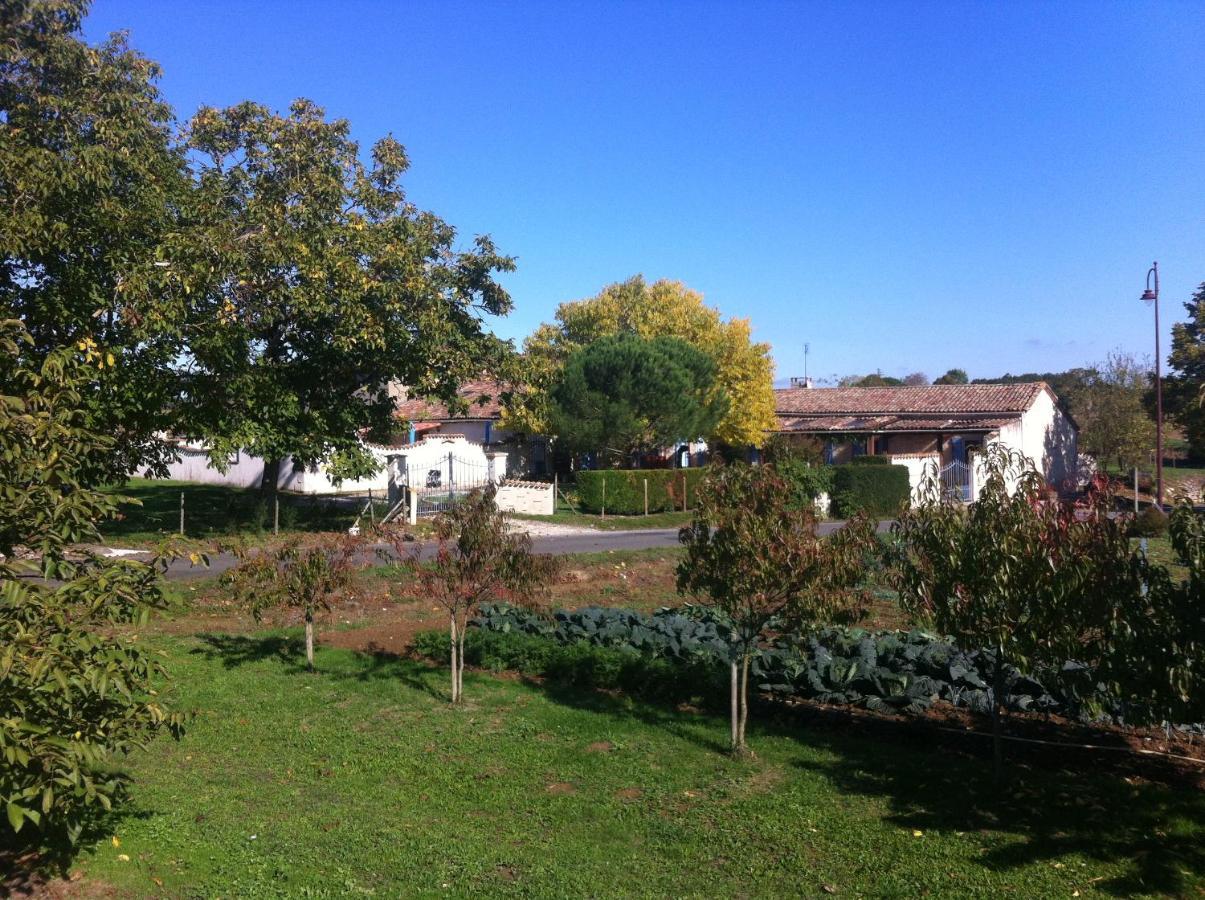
[664,308]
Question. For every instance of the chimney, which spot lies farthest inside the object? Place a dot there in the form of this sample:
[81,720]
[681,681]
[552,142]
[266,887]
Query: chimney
[797,382]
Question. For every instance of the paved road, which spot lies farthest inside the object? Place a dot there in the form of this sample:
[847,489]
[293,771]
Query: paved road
[551,545]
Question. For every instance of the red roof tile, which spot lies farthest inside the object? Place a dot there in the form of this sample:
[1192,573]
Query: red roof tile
[892,423]
[893,401]
[483,396]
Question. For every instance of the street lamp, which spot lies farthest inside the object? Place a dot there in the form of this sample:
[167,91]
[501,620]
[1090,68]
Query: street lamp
[1152,296]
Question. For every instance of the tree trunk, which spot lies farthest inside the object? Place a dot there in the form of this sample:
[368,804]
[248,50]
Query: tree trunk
[997,704]
[741,746]
[736,708]
[271,477]
[455,662]
[460,669]
[309,640]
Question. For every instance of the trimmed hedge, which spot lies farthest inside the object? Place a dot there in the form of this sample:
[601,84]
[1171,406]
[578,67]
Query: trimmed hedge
[625,489]
[870,461]
[874,489]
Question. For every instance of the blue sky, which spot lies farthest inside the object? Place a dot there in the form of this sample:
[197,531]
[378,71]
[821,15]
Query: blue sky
[905,186]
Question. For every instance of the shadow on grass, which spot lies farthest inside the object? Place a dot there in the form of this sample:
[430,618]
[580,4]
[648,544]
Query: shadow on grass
[1054,805]
[32,860]
[378,663]
[234,650]
[1155,831]
[687,726]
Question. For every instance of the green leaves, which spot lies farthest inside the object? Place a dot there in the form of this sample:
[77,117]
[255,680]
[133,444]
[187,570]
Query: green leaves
[72,696]
[625,395]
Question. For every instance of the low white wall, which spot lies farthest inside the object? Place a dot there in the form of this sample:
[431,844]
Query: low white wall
[918,465]
[530,497]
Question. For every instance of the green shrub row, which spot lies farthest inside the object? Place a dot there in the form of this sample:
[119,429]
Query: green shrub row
[870,461]
[702,680]
[624,493]
[877,490]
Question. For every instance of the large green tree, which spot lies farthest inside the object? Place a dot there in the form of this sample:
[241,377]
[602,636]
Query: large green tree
[306,284]
[952,376]
[622,396]
[90,182]
[744,370]
[1184,388]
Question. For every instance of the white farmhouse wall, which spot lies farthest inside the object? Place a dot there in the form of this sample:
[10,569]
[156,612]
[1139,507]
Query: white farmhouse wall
[1046,436]
[247,471]
[243,470]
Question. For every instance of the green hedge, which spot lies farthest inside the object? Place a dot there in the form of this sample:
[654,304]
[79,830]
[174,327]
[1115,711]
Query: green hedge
[870,461]
[807,481]
[873,489]
[625,489]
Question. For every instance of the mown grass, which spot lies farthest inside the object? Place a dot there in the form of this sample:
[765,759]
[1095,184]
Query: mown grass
[362,779]
[218,511]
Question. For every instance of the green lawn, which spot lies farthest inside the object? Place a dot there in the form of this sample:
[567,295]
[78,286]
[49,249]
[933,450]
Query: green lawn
[362,779]
[214,511]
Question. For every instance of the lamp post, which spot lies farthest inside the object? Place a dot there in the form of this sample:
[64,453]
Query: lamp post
[1152,296]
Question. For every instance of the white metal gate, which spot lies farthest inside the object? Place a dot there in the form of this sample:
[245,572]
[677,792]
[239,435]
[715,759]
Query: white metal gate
[438,487]
[956,481]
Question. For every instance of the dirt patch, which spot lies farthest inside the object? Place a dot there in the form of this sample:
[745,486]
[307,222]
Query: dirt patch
[630,793]
[763,780]
[560,788]
[600,747]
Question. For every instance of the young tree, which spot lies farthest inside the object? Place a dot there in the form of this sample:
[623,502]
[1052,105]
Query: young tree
[754,555]
[477,558]
[316,285]
[1109,407]
[90,182]
[626,395]
[1157,642]
[1184,386]
[305,575]
[74,696]
[744,370]
[916,379]
[1027,579]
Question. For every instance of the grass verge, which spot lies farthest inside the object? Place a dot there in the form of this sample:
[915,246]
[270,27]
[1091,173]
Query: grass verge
[363,779]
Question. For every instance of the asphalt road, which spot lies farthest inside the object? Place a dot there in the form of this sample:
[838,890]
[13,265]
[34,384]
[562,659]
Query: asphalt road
[550,545]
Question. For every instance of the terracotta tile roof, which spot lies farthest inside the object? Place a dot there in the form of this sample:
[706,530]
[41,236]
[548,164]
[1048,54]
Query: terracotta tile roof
[483,396]
[953,399]
[893,423]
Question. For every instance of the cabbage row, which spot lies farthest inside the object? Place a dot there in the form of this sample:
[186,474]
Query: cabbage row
[884,670]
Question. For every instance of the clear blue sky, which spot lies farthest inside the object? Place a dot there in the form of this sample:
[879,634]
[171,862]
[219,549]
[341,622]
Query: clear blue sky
[904,185]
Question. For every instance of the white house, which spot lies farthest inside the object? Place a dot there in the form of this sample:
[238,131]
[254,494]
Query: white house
[936,425]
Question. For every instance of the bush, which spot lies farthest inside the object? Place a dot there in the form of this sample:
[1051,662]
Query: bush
[702,679]
[807,481]
[878,490]
[870,461]
[625,489]
[1151,522]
